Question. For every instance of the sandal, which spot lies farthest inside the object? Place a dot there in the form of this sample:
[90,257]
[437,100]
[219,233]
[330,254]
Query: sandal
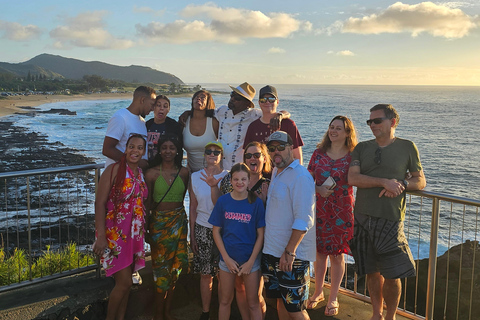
[311,304]
[332,311]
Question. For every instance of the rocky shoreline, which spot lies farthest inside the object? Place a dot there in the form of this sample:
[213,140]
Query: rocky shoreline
[21,149]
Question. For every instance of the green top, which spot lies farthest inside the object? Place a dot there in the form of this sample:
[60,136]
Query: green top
[396,159]
[174,195]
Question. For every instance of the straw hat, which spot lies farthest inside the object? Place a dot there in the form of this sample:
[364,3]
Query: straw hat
[245,90]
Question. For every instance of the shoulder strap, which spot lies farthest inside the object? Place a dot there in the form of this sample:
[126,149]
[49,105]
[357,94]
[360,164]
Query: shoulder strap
[155,204]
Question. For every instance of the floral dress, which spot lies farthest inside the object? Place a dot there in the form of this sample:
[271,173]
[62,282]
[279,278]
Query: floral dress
[334,214]
[124,226]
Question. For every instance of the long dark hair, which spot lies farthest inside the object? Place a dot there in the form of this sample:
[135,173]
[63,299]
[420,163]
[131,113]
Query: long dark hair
[210,103]
[238,167]
[122,169]
[176,142]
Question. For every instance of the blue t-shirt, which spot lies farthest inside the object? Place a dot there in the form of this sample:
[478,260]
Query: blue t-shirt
[239,221]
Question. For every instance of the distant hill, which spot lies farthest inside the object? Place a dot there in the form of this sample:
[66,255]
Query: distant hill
[61,67]
[22,69]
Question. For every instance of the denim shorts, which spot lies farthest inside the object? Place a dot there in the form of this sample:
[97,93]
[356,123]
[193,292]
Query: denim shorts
[256,265]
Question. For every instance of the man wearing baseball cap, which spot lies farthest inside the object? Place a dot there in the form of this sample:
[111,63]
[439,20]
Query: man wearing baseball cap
[234,120]
[289,244]
[260,129]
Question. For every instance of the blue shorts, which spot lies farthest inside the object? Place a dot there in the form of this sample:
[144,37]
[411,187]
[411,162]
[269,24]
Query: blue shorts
[256,265]
[292,287]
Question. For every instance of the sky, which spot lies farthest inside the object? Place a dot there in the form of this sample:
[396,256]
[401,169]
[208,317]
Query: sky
[370,42]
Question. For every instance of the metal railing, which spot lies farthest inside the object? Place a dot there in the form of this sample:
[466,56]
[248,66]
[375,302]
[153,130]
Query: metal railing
[50,208]
[44,213]
[446,286]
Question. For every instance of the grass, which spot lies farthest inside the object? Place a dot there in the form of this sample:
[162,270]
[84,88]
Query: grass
[16,267]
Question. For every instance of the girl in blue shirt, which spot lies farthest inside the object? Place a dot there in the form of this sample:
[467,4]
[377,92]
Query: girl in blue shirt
[238,220]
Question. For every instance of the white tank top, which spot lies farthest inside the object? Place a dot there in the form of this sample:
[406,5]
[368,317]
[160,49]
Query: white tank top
[195,145]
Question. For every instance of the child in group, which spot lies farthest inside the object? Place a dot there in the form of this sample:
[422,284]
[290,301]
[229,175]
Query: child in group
[238,220]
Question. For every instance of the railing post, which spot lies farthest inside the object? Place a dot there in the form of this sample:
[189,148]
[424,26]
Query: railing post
[29,231]
[432,260]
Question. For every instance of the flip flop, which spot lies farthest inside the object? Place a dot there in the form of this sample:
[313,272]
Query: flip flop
[332,311]
[311,304]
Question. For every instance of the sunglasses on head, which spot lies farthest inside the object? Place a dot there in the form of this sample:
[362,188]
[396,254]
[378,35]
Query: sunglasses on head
[269,99]
[215,152]
[378,156]
[257,155]
[376,121]
[279,147]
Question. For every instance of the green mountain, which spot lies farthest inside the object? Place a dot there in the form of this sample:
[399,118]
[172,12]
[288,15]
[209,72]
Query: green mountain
[60,67]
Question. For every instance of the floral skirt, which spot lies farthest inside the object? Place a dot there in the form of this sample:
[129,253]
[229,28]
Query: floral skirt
[168,240]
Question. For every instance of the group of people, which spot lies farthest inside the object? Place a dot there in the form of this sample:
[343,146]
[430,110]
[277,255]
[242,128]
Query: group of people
[256,228]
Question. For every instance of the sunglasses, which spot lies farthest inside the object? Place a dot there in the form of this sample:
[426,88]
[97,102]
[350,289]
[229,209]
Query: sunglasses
[257,155]
[235,96]
[215,152]
[378,156]
[269,99]
[376,121]
[280,147]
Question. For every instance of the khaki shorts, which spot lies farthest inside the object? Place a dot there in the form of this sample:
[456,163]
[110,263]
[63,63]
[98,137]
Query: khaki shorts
[380,245]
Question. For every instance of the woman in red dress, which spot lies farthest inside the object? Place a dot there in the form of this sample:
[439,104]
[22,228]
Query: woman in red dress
[334,212]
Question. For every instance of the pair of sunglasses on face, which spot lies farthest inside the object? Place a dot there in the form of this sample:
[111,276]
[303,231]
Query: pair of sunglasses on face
[257,155]
[215,152]
[376,121]
[269,99]
[279,147]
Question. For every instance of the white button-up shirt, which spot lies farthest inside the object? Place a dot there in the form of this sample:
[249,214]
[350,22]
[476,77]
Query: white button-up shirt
[231,132]
[290,205]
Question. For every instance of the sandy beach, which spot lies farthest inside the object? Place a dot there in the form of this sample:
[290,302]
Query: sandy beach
[12,104]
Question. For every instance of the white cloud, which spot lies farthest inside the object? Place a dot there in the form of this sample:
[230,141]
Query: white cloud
[15,31]
[149,10]
[439,20]
[229,25]
[87,30]
[346,53]
[276,50]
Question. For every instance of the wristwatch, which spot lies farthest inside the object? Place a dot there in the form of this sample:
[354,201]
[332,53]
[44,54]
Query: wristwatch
[405,183]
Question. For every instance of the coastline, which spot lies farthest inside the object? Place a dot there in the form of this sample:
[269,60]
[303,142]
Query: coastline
[13,104]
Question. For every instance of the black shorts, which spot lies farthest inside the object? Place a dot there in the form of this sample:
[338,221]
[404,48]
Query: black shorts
[380,245]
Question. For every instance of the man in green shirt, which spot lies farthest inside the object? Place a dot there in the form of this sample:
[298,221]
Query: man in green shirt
[383,169]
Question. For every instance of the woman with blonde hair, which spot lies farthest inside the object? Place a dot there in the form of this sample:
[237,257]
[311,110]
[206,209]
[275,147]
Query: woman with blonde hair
[334,211]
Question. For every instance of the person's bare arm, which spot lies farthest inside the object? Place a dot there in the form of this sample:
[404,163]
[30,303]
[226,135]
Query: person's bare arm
[355,178]
[286,260]
[104,186]
[193,217]
[182,120]
[109,149]
[297,154]
[215,125]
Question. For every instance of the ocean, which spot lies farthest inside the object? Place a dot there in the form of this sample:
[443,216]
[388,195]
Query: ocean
[442,121]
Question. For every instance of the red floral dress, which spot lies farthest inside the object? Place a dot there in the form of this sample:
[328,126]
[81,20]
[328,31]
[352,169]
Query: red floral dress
[334,214]
[125,230]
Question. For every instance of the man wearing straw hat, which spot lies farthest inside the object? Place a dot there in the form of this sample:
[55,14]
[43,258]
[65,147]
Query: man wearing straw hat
[234,120]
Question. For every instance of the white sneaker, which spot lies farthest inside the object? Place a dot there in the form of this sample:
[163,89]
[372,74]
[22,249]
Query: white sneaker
[136,279]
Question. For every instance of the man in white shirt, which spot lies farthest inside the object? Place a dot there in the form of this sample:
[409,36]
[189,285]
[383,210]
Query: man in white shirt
[126,122]
[289,244]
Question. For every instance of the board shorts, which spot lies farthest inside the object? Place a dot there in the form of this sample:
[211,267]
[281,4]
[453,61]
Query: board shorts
[380,245]
[292,287]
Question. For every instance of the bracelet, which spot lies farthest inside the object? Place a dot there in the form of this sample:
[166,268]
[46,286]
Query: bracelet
[291,254]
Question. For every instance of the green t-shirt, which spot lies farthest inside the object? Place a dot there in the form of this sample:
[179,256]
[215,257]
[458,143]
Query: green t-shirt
[396,159]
